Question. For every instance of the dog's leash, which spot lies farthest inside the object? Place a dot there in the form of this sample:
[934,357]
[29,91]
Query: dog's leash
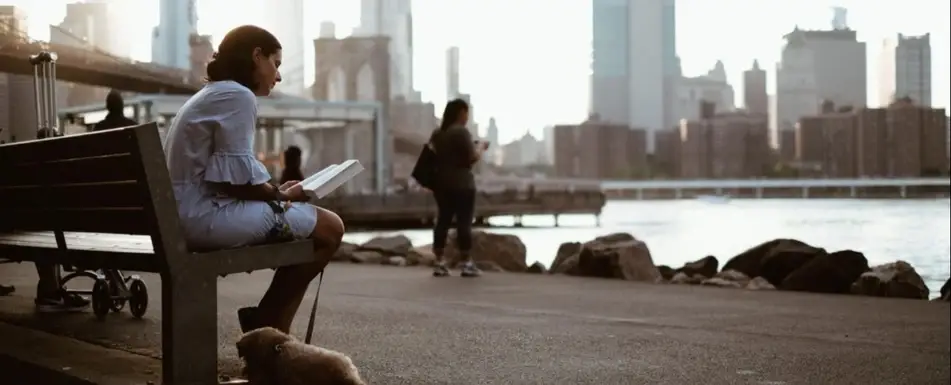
[313,310]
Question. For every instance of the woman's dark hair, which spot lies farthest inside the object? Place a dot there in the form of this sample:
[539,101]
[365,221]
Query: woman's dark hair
[292,163]
[451,114]
[234,60]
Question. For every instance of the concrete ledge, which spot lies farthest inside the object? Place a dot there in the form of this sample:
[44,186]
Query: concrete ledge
[36,357]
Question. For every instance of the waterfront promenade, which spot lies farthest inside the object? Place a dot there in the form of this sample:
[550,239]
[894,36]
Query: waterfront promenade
[402,326]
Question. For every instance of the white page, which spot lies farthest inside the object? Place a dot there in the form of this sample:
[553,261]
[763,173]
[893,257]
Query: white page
[333,178]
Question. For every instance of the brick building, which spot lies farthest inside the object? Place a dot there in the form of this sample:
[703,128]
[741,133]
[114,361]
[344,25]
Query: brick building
[902,140]
[732,145]
[599,150]
[666,162]
[826,144]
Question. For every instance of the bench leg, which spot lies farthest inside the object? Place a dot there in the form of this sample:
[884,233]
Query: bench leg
[189,329]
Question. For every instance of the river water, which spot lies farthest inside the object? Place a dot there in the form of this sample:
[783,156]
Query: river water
[677,231]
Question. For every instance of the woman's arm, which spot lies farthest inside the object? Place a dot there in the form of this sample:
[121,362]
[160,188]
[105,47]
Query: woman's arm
[262,192]
[463,144]
[250,192]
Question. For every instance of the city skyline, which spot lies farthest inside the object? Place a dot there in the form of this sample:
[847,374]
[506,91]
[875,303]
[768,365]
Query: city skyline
[515,84]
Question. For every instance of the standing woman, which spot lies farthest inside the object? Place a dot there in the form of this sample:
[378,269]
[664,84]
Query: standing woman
[454,187]
[224,196]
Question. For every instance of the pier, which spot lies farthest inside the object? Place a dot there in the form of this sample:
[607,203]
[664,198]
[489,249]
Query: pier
[418,209]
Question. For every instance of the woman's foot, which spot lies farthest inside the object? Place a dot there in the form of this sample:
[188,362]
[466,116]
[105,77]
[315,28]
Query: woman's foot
[61,302]
[469,269]
[440,270]
[248,319]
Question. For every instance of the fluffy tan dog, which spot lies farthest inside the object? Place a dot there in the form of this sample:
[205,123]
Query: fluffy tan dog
[274,358]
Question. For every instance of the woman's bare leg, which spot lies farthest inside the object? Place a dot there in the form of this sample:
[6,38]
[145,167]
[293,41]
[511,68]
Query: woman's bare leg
[283,298]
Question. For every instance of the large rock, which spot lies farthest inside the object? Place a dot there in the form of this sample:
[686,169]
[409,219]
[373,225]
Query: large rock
[388,245]
[946,291]
[897,279]
[750,261]
[828,273]
[505,251]
[343,252]
[536,268]
[421,255]
[706,266]
[728,278]
[566,251]
[666,272]
[618,255]
[773,260]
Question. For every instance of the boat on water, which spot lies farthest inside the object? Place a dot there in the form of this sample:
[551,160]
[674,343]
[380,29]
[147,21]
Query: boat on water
[713,198]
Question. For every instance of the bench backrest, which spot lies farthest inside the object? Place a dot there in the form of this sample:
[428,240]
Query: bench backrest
[112,181]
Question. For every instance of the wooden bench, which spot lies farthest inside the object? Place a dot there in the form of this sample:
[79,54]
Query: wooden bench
[105,200]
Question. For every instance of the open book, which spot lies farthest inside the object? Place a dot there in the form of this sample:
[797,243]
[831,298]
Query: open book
[330,178]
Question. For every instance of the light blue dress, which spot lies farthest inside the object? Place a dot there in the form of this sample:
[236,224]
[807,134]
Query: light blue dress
[212,140]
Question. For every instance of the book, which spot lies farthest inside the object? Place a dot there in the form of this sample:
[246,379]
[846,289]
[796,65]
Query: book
[330,178]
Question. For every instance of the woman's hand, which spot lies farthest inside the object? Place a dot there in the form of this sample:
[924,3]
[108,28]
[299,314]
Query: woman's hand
[294,191]
[288,185]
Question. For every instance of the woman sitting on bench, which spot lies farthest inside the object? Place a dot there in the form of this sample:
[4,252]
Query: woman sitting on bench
[224,198]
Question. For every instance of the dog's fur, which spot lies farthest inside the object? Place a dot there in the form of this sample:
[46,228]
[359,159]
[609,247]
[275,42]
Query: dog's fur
[274,358]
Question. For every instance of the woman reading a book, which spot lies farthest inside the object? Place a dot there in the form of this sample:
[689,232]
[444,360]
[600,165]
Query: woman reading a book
[224,196]
[454,187]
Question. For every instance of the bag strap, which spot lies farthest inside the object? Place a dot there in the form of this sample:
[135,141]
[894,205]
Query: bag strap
[313,310]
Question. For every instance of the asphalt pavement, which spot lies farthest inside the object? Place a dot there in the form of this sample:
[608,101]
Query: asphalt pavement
[403,326]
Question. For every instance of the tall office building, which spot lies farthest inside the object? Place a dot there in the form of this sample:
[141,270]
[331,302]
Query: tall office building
[178,20]
[452,73]
[754,90]
[906,70]
[634,62]
[16,122]
[393,19]
[86,25]
[285,19]
[817,66]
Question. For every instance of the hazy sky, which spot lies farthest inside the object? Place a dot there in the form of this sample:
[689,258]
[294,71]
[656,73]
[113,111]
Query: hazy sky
[527,62]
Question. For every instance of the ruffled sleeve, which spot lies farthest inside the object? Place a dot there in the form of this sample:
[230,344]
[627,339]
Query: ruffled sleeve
[232,159]
[236,168]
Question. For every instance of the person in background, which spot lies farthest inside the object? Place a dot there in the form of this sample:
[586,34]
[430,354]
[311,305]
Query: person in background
[292,164]
[454,188]
[115,117]
[51,297]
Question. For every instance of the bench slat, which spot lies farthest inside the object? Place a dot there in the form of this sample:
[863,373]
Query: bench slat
[98,169]
[72,196]
[87,145]
[83,258]
[93,220]
[118,243]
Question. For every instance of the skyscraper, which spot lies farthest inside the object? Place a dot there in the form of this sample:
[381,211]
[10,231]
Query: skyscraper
[906,70]
[394,19]
[634,60]
[817,66]
[285,19]
[452,73]
[178,20]
[755,98]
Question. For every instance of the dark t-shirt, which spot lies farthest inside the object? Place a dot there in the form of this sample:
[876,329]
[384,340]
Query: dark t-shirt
[114,121]
[454,154]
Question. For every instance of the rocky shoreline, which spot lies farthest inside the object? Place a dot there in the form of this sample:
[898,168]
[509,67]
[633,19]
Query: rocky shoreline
[779,264]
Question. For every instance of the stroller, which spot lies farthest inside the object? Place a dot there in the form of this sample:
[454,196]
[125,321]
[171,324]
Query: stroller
[112,289]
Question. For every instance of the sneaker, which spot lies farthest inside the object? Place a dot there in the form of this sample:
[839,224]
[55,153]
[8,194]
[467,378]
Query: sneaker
[7,290]
[440,270]
[248,319]
[469,269]
[67,302]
